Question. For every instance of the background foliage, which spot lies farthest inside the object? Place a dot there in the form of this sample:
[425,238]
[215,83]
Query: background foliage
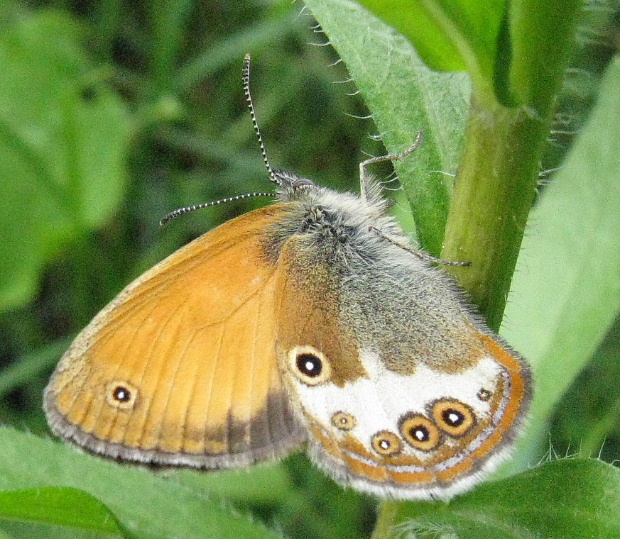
[112,114]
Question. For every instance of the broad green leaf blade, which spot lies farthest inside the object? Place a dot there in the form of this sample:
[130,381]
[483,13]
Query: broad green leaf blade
[566,287]
[405,97]
[515,49]
[54,506]
[63,138]
[268,484]
[144,503]
[565,498]
[449,35]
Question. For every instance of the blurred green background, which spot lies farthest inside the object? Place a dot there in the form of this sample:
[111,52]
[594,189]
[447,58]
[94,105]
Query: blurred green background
[113,114]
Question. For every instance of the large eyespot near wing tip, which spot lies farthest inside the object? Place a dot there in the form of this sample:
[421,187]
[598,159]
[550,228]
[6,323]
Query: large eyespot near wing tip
[121,394]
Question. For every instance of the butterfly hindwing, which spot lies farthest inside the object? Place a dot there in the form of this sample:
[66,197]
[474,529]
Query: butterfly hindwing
[403,391]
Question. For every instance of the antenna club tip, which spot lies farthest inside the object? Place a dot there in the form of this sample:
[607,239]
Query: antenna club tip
[248,56]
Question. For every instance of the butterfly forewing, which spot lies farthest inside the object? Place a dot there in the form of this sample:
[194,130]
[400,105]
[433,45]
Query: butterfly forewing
[180,368]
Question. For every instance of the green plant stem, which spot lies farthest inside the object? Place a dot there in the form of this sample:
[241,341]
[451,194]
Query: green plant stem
[491,201]
[494,191]
[495,187]
[388,511]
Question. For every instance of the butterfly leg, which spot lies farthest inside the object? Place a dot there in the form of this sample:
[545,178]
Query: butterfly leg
[419,253]
[365,178]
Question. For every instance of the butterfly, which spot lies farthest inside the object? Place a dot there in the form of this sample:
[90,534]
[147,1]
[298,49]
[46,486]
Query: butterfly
[309,321]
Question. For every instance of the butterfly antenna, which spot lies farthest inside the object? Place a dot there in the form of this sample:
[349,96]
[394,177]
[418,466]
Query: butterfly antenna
[272,176]
[248,98]
[187,209]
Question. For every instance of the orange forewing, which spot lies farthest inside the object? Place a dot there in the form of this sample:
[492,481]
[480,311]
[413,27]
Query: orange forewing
[192,341]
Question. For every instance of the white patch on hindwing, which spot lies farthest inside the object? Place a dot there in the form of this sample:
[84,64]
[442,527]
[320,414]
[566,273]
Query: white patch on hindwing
[379,401]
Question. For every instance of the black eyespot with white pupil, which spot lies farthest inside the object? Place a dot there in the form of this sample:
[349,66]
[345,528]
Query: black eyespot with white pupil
[386,443]
[309,365]
[121,394]
[453,417]
[420,433]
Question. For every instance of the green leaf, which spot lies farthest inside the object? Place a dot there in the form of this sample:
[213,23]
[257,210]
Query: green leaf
[565,498]
[145,503]
[405,97]
[449,35]
[517,60]
[63,138]
[567,283]
[55,506]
